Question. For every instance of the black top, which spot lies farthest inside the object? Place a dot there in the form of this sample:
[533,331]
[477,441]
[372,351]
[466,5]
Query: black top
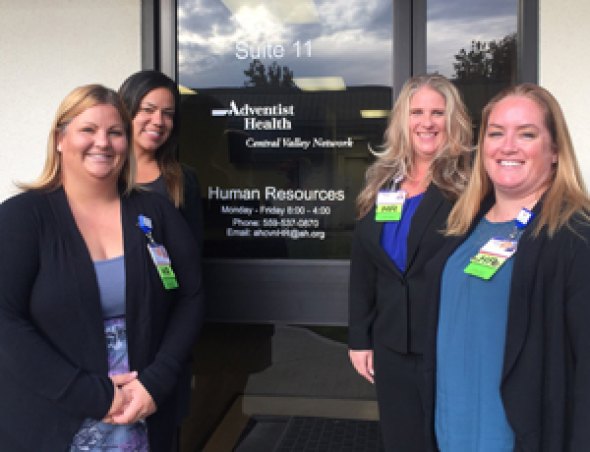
[192,211]
[385,304]
[192,207]
[53,362]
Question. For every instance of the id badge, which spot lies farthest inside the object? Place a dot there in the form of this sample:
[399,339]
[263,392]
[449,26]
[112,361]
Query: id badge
[163,265]
[390,205]
[491,257]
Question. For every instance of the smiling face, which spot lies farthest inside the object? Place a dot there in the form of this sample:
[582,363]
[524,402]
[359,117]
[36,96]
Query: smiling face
[153,121]
[518,154]
[93,145]
[427,123]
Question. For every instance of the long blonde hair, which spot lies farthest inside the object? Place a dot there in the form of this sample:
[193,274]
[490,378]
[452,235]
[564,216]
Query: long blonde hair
[77,101]
[566,194]
[450,168]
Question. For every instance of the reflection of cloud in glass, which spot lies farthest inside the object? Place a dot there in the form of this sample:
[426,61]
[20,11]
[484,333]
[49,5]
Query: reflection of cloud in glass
[345,53]
[469,10]
[257,23]
[300,12]
[350,38]
[446,38]
[339,15]
[256,26]
[453,24]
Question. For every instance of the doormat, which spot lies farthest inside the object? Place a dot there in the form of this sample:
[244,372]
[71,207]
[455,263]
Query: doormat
[310,434]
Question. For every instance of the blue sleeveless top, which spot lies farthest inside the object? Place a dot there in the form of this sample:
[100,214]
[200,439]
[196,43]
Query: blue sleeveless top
[394,237]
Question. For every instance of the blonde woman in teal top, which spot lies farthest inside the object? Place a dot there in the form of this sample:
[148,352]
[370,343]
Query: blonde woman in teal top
[508,368]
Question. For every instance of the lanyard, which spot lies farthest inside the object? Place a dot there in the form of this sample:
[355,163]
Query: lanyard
[498,250]
[521,221]
[158,254]
[145,224]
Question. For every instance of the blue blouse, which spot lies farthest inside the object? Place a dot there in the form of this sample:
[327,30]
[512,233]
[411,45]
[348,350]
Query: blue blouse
[394,236]
[469,414]
[110,275]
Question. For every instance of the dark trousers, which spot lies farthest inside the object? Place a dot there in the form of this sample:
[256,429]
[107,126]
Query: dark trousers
[398,379]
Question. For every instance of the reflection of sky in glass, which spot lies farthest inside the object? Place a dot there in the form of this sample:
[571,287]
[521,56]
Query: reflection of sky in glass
[453,24]
[349,38]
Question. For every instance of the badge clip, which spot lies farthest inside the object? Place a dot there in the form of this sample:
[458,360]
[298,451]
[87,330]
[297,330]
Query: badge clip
[158,254]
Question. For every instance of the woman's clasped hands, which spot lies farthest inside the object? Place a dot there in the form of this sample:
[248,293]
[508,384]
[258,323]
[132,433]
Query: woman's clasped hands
[131,401]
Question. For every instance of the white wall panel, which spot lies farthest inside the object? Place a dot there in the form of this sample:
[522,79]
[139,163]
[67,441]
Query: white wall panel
[46,49]
[564,67]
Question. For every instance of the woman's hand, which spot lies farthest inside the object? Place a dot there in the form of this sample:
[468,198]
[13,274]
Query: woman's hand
[362,360]
[120,398]
[140,405]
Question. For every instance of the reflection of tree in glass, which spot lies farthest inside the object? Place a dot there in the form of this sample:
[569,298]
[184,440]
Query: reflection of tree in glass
[493,60]
[274,76]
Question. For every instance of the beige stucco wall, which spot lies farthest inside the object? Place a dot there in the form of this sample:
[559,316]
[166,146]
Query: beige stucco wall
[564,67]
[46,49]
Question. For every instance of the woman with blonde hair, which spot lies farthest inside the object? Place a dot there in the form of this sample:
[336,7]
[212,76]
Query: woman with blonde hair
[402,209]
[509,362]
[100,302]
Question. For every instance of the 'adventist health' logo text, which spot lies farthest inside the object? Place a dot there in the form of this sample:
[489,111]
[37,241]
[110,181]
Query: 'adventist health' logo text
[265,117]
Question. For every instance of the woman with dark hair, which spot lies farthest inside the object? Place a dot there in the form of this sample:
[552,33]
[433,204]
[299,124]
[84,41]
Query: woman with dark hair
[153,101]
[100,298]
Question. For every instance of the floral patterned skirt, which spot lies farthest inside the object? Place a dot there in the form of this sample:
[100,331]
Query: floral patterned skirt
[96,436]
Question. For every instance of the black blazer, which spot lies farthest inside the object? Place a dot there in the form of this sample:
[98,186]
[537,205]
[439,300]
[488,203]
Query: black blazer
[53,358]
[385,304]
[545,385]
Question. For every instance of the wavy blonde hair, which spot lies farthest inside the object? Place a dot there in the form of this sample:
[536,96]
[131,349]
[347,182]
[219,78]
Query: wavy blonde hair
[566,194]
[77,101]
[450,168]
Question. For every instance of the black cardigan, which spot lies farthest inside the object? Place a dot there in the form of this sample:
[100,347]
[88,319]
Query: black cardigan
[53,357]
[385,304]
[545,385]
